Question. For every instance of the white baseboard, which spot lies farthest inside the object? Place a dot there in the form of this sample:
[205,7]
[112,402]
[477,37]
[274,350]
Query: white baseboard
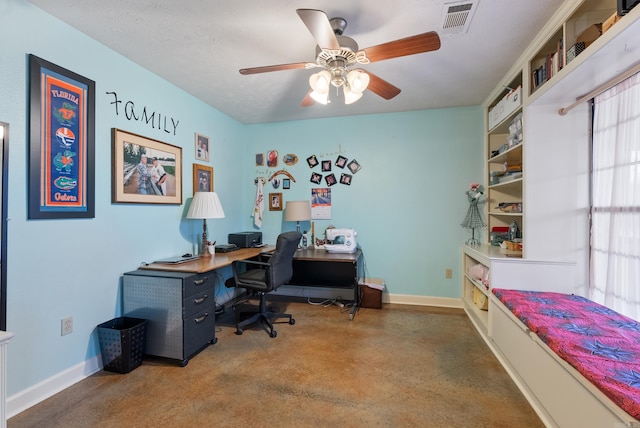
[347,294]
[41,391]
[33,395]
[408,299]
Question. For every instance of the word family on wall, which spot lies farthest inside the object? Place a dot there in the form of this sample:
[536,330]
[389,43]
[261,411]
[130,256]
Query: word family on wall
[154,119]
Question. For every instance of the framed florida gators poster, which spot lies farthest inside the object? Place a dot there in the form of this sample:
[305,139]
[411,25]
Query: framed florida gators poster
[61,142]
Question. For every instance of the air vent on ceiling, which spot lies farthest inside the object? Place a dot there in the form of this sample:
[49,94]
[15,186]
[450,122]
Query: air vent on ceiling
[457,17]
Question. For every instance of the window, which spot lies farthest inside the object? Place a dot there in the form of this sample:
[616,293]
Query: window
[615,207]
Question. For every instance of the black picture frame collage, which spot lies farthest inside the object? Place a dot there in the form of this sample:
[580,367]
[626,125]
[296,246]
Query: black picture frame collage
[326,167]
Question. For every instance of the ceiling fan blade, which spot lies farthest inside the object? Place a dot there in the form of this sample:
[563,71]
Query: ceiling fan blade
[381,87]
[320,28]
[268,68]
[420,43]
[307,100]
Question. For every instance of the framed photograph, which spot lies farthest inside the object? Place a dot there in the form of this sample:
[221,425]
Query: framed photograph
[326,165]
[145,171]
[316,178]
[290,159]
[272,158]
[202,178]
[345,179]
[202,147]
[330,180]
[61,142]
[259,159]
[312,161]
[341,161]
[286,183]
[275,201]
[354,166]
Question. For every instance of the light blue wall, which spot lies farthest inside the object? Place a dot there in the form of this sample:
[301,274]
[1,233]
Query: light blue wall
[60,268]
[406,202]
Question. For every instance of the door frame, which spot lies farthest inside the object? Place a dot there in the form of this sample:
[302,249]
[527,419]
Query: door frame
[4,170]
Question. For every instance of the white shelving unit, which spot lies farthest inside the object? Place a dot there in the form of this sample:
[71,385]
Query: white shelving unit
[554,154]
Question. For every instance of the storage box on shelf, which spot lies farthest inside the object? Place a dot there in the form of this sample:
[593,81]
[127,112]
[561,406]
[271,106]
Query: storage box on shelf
[506,106]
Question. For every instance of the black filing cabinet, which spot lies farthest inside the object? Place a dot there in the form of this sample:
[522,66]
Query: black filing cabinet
[179,307]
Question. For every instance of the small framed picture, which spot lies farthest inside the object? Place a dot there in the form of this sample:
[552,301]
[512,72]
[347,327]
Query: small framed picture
[286,183]
[312,161]
[330,180]
[275,201]
[290,159]
[326,165]
[354,166]
[202,147]
[341,161]
[272,158]
[345,179]
[202,178]
[316,178]
[259,159]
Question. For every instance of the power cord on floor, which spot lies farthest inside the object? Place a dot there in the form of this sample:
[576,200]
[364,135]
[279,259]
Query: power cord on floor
[326,302]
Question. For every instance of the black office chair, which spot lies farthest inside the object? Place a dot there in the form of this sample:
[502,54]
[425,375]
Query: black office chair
[262,277]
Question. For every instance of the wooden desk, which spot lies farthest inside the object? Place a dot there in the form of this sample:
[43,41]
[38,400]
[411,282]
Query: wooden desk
[320,268]
[177,299]
[210,263]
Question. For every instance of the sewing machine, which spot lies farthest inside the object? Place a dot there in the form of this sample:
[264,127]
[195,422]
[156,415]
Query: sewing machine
[342,241]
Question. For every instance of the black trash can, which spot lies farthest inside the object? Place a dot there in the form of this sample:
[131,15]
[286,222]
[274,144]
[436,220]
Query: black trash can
[122,343]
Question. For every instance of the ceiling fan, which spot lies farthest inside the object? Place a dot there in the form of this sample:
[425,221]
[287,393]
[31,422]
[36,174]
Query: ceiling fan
[339,57]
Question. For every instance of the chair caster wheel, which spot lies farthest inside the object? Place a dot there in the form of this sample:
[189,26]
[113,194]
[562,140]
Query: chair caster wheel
[292,321]
[239,332]
[273,333]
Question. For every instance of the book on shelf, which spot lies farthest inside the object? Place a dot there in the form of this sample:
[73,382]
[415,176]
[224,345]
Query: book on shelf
[552,63]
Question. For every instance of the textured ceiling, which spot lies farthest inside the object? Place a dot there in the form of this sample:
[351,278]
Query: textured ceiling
[199,46]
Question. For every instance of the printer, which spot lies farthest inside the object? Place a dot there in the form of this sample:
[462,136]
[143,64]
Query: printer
[246,239]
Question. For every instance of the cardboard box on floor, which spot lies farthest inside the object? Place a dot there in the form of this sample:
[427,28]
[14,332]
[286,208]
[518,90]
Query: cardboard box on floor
[371,292]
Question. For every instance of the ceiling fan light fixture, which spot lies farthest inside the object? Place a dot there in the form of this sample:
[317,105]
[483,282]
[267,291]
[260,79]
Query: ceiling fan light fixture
[350,96]
[322,98]
[320,81]
[358,81]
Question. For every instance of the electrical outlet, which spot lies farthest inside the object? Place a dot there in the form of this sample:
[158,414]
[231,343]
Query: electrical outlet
[448,273]
[66,326]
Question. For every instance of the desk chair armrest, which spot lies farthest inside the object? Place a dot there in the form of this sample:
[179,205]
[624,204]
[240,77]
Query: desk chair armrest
[248,263]
[237,264]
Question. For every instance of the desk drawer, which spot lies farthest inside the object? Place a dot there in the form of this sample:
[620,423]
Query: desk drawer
[196,283]
[197,302]
[199,329]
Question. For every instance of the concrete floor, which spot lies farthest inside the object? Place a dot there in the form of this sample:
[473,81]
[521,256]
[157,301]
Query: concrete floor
[400,366]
